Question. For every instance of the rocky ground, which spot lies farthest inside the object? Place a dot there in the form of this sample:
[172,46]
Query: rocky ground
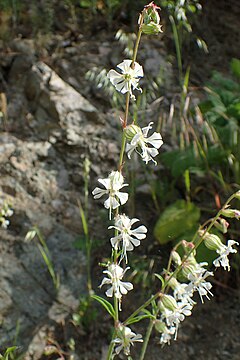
[54,120]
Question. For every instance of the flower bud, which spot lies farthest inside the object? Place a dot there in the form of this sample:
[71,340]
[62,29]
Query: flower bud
[131,130]
[188,268]
[160,326]
[237,195]
[231,213]
[212,242]
[168,302]
[176,258]
[222,225]
[173,283]
[150,13]
[150,19]
[151,28]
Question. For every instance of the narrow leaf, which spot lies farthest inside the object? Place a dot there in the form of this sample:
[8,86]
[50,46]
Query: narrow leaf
[106,304]
[139,318]
[160,278]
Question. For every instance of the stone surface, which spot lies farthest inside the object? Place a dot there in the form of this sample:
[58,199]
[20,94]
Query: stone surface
[41,174]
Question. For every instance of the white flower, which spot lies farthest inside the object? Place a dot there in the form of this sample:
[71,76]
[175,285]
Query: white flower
[140,142]
[224,251]
[126,338]
[127,236]
[4,222]
[128,78]
[198,282]
[167,335]
[118,288]
[182,292]
[112,184]
[174,317]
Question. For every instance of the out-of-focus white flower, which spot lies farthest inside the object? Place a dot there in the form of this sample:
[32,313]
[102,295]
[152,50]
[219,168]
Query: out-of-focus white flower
[198,282]
[112,184]
[140,143]
[224,251]
[129,77]
[126,338]
[127,236]
[115,274]
[4,222]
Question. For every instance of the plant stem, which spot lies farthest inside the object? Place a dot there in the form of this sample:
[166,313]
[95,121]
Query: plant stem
[177,46]
[120,166]
[137,41]
[146,340]
[111,347]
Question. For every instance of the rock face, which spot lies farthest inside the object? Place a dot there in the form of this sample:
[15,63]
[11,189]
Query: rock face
[52,128]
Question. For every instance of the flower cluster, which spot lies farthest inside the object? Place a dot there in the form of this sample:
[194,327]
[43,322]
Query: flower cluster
[5,213]
[174,308]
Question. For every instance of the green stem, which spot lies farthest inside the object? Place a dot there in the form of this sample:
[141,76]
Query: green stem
[146,340]
[111,347]
[177,46]
[89,278]
[121,162]
[135,51]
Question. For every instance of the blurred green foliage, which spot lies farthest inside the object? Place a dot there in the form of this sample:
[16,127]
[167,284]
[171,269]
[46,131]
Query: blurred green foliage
[45,16]
[221,110]
[176,220]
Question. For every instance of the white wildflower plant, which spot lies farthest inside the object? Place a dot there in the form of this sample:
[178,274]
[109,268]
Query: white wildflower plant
[184,276]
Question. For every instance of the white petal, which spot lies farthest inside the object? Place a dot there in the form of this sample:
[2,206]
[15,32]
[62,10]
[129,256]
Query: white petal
[105,182]
[123,197]
[97,192]
[109,292]
[125,66]
[155,140]
[135,242]
[146,129]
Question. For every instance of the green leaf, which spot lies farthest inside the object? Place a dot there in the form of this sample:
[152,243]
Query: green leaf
[235,67]
[160,278]
[83,219]
[106,304]
[139,318]
[8,352]
[176,220]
